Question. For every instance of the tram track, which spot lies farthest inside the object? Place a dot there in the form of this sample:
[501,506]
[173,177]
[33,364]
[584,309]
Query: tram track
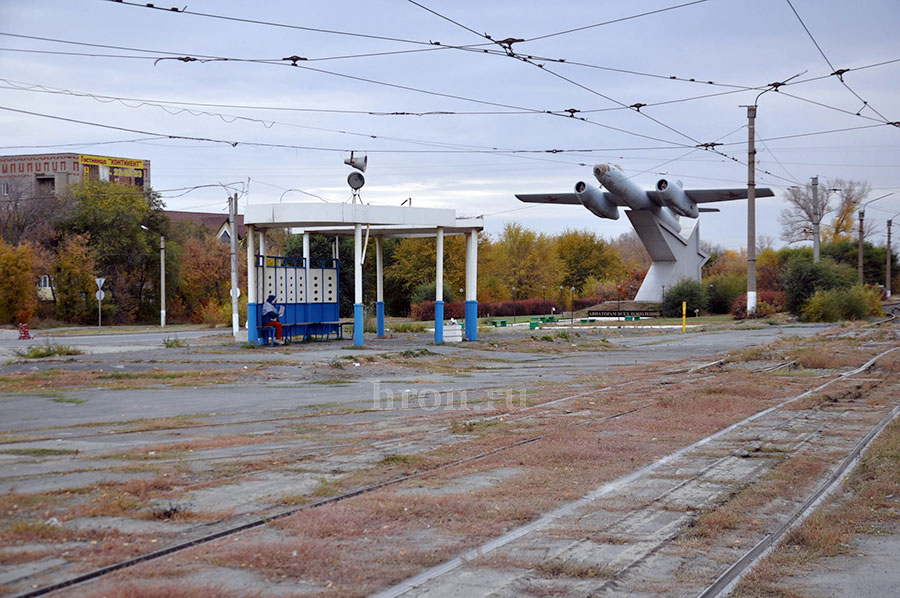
[261,521]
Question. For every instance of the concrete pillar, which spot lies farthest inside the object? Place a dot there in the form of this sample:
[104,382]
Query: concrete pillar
[358,320]
[305,271]
[472,286]
[263,253]
[252,315]
[439,289]
[379,286]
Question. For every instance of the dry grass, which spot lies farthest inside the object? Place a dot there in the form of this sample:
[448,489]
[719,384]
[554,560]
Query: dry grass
[57,378]
[166,590]
[563,568]
[869,500]
[741,510]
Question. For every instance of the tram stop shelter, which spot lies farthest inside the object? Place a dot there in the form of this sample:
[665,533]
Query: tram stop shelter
[309,289]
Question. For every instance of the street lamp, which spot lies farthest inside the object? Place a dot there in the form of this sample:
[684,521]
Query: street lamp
[619,301]
[162,276]
[862,214]
[514,304]
[573,306]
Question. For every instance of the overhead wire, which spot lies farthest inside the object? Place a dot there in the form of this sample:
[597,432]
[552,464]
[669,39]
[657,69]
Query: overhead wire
[839,73]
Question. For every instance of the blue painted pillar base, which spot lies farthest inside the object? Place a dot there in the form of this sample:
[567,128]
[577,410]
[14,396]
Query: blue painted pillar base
[252,319]
[379,316]
[438,322]
[472,320]
[358,324]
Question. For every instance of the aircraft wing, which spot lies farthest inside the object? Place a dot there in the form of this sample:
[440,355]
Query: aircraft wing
[561,198]
[710,195]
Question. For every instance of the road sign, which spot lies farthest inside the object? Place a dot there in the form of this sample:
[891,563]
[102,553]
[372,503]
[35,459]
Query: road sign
[99,282]
[100,295]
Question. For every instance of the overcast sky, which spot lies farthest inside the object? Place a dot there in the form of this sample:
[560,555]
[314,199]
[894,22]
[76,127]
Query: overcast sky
[478,124]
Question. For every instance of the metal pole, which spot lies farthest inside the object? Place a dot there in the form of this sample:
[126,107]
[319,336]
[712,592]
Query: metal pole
[887,282]
[817,219]
[232,232]
[573,305]
[859,258]
[751,209]
[162,281]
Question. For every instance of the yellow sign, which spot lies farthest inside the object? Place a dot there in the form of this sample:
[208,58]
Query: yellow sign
[107,161]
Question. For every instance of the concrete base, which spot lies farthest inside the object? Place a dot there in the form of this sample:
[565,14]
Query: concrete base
[358,324]
[252,335]
[438,322]
[674,257]
[379,316]
[472,320]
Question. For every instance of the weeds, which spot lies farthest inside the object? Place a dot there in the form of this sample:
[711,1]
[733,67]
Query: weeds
[72,400]
[174,343]
[38,452]
[561,568]
[46,350]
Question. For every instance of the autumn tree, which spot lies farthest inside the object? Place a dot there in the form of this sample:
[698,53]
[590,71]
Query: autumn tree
[205,274]
[72,281]
[850,194]
[523,259]
[127,256]
[18,293]
[585,255]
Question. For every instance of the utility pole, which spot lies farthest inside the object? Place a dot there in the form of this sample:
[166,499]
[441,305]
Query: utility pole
[751,209]
[232,233]
[859,258]
[887,282]
[817,218]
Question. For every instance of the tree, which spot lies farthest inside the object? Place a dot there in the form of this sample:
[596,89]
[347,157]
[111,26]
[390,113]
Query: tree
[205,274]
[584,255]
[73,280]
[851,193]
[127,256]
[24,212]
[525,260]
[18,294]
[802,219]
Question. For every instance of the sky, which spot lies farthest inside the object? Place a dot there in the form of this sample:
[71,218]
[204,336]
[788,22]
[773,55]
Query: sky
[451,119]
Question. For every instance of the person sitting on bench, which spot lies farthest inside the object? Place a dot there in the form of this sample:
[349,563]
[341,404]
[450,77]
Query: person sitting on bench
[270,315]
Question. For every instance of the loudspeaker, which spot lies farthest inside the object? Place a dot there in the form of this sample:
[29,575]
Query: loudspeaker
[357,163]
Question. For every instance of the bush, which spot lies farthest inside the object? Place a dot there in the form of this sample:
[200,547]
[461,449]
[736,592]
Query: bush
[854,303]
[214,314]
[724,290]
[802,279]
[767,303]
[424,311]
[427,290]
[690,291]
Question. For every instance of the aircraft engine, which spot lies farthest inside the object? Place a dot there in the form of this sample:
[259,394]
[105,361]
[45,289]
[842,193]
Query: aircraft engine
[674,197]
[593,199]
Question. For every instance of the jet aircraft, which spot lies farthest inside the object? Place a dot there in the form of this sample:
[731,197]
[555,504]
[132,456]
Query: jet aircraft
[666,202]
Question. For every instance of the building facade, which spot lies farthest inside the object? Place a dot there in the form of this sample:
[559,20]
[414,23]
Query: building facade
[44,174]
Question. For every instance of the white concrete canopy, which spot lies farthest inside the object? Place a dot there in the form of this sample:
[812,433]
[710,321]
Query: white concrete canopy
[305,215]
[380,222]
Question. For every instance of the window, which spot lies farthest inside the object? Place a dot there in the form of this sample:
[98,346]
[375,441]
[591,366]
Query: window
[44,282]
[4,188]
